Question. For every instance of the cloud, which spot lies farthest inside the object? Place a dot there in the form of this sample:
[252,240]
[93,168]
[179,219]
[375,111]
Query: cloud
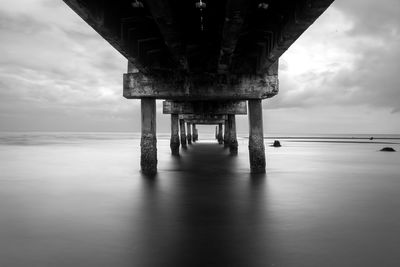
[57,73]
[350,56]
[372,18]
[54,63]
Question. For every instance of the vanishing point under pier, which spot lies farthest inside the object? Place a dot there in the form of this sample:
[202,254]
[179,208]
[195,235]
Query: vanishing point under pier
[209,61]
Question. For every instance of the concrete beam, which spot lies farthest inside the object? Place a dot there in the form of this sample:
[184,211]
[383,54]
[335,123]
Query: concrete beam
[174,143]
[205,107]
[256,137]
[169,29]
[236,11]
[188,117]
[205,122]
[219,136]
[200,87]
[148,143]
[183,133]
[233,143]
[189,132]
[226,134]
[195,133]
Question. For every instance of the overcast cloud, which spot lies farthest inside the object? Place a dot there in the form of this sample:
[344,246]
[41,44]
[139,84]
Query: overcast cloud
[341,76]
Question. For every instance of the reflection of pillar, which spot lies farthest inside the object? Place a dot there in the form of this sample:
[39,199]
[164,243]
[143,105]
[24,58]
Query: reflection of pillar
[220,139]
[216,132]
[195,133]
[256,137]
[148,143]
[233,143]
[174,144]
[189,133]
[226,134]
[183,133]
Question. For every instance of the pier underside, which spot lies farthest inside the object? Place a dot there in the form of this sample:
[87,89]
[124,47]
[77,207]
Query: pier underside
[211,61]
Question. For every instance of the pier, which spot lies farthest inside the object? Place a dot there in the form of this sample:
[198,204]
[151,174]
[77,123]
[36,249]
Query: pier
[209,61]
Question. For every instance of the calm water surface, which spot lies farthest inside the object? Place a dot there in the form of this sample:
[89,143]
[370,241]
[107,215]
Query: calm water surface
[80,200]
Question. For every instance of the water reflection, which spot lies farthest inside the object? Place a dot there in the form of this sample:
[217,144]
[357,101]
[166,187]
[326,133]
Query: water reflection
[85,203]
[212,215]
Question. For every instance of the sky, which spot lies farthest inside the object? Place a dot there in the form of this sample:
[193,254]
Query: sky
[340,77]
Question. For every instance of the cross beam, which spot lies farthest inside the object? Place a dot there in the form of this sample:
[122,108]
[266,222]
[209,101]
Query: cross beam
[188,117]
[205,121]
[169,28]
[202,107]
[200,87]
[233,23]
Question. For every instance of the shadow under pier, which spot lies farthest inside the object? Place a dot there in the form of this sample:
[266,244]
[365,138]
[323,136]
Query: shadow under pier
[206,158]
[203,212]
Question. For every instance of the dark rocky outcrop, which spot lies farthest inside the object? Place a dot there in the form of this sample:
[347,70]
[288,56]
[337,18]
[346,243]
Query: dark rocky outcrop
[388,149]
[276,144]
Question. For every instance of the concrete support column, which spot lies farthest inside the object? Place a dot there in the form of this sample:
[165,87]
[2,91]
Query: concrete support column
[216,132]
[183,133]
[226,134]
[233,143]
[195,133]
[148,143]
[220,138]
[256,137]
[189,133]
[174,144]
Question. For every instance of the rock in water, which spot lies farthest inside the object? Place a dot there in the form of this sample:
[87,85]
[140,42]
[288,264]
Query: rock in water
[388,149]
[276,144]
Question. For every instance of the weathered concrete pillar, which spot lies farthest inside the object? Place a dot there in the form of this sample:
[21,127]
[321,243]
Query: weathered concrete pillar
[189,133]
[195,133]
[256,137]
[220,138]
[148,144]
[226,134]
[183,133]
[174,144]
[233,143]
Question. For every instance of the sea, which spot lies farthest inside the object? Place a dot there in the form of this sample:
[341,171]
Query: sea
[79,199]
